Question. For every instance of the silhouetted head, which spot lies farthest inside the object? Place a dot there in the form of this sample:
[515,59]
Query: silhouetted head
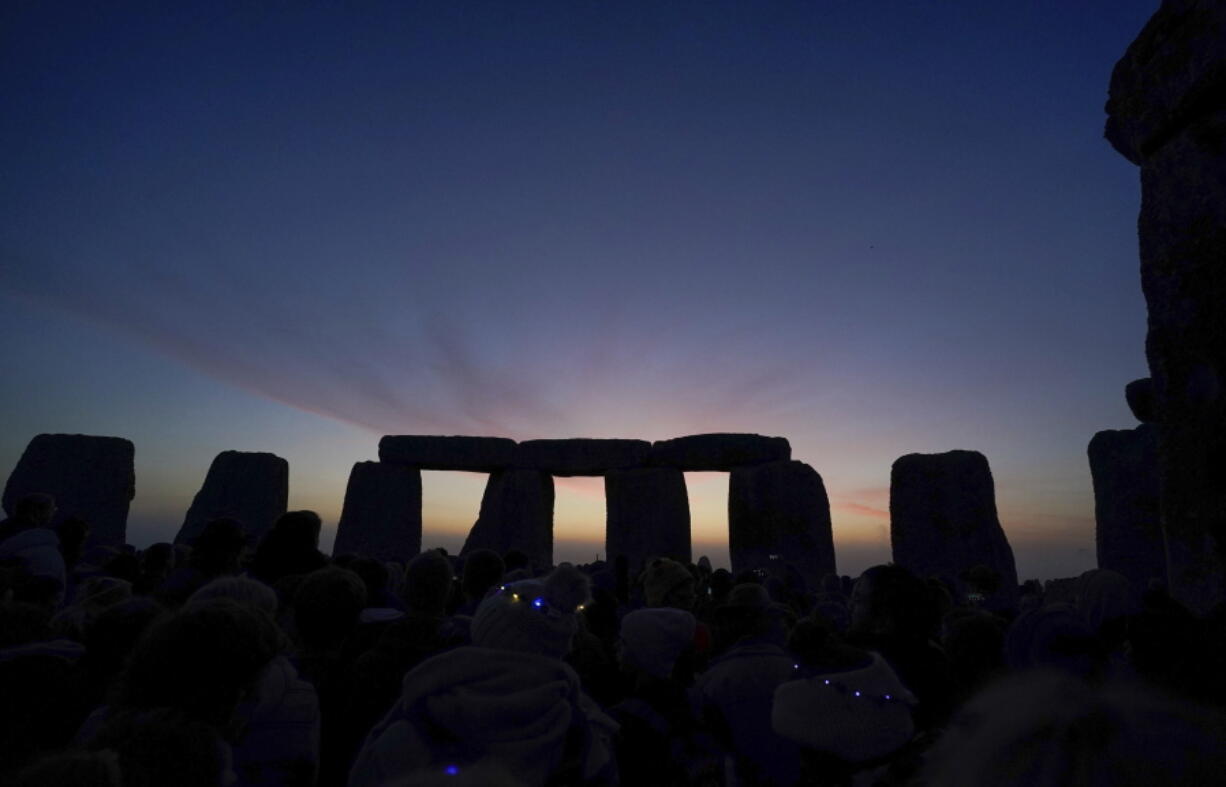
[327,606]
[114,632]
[890,600]
[721,584]
[483,568]
[202,661]
[299,529]
[427,583]
[817,646]
[516,560]
[216,549]
[123,566]
[374,577]
[652,640]
[35,510]
[244,590]
[73,532]
[158,559]
[1106,600]
[667,583]
[974,641]
[533,615]
[1053,637]
[745,613]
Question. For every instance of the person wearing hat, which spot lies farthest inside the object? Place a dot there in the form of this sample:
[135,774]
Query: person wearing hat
[215,553]
[507,701]
[661,741]
[845,707]
[736,693]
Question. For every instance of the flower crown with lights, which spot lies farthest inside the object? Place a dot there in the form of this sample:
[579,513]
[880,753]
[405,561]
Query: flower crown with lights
[880,699]
[565,591]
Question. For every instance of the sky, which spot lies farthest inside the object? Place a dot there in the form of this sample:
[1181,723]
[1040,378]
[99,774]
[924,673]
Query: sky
[871,228]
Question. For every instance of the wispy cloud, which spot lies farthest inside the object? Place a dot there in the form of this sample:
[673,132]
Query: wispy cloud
[862,510]
[390,365]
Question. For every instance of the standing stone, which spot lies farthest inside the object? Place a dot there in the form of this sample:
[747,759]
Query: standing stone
[648,515]
[1128,532]
[943,520]
[1167,115]
[381,517]
[250,487]
[778,513]
[516,513]
[92,478]
[719,452]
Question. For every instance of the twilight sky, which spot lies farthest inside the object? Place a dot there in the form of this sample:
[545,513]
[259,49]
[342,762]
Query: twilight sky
[872,228]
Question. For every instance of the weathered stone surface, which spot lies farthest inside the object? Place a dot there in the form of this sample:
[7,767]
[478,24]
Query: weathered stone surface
[516,513]
[647,515]
[426,452]
[580,456]
[381,517]
[1140,397]
[1124,468]
[92,478]
[779,513]
[1172,73]
[251,487]
[1166,114]
[718,452]
[943,519]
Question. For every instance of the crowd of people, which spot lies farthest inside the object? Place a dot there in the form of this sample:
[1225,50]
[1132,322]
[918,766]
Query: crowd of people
[269,663]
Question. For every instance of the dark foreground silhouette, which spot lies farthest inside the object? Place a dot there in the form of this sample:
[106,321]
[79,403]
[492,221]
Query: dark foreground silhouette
[228,662]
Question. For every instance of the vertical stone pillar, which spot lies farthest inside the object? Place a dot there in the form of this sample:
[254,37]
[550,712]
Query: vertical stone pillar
[516,513]
[251,487]
[92,478]
[778,513]
[1128,531]
[381,517]
[943,520]
[1166,115]
[647,515]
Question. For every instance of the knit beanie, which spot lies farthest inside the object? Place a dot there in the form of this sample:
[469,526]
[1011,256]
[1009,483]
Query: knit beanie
[661,578]
[533,615]
[655,638]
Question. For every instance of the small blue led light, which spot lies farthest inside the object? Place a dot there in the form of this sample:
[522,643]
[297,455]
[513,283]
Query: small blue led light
[857,693]
[451,770]
[888,697]
[826,681]
[795,666]
[538,602]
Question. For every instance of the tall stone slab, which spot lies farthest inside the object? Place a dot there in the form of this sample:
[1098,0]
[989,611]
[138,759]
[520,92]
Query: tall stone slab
[516,513]
[647,515]
[943,519]
[429,452]
[381,516]
[1167,115]
[779,513]
[252,487]
[1128,530]
[718,452]
[92,478]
